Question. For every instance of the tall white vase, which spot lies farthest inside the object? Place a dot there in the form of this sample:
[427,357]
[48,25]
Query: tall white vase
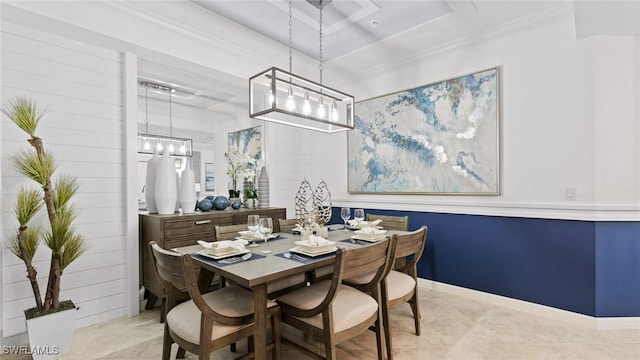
[150,185]
[188,189]
[166,188]
[263,188]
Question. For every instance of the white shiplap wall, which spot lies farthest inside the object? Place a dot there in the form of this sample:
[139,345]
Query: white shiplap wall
[81,88]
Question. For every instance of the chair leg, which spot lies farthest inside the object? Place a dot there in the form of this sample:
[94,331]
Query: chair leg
[387,331]
[275,333]
[166,343]
[181,353]
[163,309]
[415,307]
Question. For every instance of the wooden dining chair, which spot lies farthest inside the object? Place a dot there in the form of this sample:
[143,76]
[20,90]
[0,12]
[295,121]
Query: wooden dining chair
[337,312]
[208,321]
[275,288]
[228,232]
[286,225]
[390,222]
[401,284]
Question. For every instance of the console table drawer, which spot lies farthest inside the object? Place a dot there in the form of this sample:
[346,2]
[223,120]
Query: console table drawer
[191,227]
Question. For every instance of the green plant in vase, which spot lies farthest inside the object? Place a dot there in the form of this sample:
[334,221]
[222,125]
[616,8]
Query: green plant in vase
[251,197]
[54,195]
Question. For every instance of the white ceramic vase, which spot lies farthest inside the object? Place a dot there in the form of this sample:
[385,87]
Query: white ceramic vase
[166,188]
[150,185]
[188,190]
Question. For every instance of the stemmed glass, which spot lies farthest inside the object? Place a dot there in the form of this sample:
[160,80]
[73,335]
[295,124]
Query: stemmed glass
[358,215]
[345,214]
[253,224]
[266,228]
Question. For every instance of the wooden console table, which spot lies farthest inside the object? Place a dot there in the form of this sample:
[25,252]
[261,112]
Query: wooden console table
[178,230]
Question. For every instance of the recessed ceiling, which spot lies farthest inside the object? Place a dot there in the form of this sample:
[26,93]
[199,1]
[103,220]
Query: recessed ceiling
[347,24]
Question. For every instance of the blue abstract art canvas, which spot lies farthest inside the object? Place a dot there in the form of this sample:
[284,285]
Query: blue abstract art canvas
[441,138]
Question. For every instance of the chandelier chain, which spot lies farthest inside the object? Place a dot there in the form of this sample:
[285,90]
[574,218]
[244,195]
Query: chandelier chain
[290,35]
[320,66]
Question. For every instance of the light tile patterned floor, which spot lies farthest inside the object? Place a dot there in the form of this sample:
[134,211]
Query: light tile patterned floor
[453,327]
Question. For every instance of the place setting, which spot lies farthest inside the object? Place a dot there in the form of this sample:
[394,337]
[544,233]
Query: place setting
[259,229]
[226,252]
[311,249]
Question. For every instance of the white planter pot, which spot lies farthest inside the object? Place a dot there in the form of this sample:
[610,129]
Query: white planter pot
[50,335]
[150,187]
[188,197]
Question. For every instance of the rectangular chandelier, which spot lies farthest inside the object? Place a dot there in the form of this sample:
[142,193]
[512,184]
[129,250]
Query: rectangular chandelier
[279,96]
[178,147]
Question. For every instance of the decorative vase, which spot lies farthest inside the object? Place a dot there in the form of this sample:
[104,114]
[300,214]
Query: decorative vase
[188,189]
[235,203]
[150,185]
[220,203]
[205,205]
[50,335]
[166,194]
[263,188]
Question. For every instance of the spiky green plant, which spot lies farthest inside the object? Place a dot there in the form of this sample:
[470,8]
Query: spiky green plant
[61,237]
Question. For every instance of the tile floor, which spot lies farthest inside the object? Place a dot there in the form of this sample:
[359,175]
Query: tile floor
[453,327]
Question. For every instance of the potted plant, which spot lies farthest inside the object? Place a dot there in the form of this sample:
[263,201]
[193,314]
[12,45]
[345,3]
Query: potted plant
[251,197]
[58,234]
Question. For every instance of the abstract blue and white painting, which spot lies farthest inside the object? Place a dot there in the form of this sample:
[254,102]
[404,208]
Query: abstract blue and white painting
[441,138]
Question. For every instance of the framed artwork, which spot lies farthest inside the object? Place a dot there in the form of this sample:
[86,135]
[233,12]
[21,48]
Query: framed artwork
[247,142]
[244,156]
[441,138]
[209,177]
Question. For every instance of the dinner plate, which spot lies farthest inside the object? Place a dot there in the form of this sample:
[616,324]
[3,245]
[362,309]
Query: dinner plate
[300,250]
[368,238]
[224,255]
[306,246]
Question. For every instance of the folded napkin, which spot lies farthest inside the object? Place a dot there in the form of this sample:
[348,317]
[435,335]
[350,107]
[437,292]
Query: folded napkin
[318,241]
[298,228]
[371,231]
[363,224]
[234,244]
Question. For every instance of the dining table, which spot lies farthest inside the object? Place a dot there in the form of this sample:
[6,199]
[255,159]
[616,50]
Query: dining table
[271,261]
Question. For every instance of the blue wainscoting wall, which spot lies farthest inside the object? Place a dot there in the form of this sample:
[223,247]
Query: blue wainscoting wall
[587,267]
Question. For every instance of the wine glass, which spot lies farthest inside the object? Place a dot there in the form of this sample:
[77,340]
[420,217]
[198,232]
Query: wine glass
[266,228]
[345,214]
[253,223]
[358,215]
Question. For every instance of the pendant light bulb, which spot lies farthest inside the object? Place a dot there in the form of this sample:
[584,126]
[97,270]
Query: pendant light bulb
[321,111]
[159,146]
[183,149]
[147,146]
[291,102]
[334,112]
[306,107]
[171,148]
[272,99]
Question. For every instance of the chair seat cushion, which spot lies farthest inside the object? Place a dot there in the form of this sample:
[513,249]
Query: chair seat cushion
[350,306]
[231,301]
[399,284]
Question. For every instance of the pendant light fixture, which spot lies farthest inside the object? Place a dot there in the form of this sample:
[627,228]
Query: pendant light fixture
[282,97]
[179,147]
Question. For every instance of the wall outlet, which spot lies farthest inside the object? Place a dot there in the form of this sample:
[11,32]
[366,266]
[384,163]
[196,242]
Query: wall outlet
[570,194]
